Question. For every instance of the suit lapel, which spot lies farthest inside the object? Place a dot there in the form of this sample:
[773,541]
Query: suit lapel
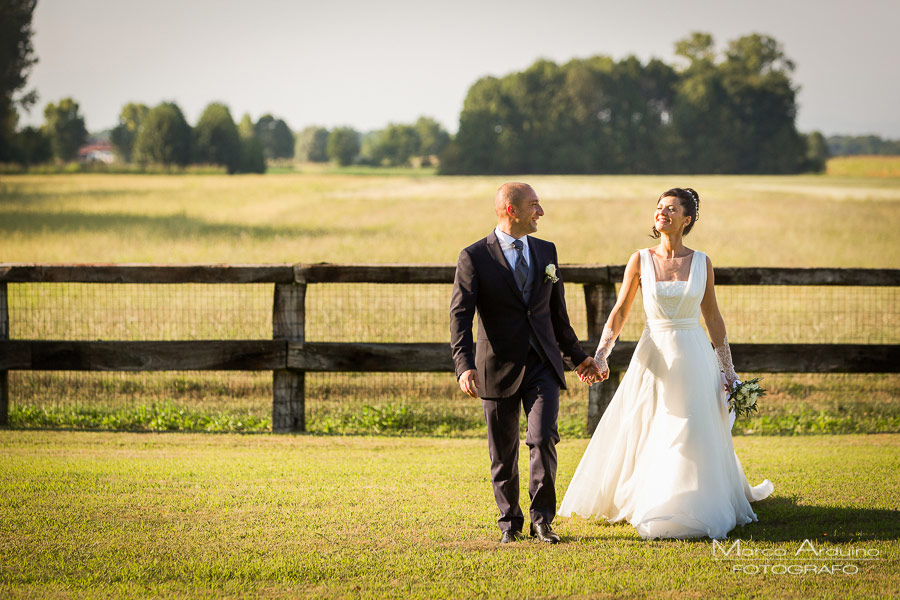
[538,266]
[496,253]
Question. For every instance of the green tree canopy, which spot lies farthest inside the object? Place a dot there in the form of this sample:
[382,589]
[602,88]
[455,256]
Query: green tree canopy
[587,116]
[16,59]
[64,125]
[253,157]
[216,139]
[276,137]
[34,146]
[312,145]
[736,115]
[732,112]
[125,133]
[165,137]
[433,138]
[343,145]
[393,146]
[817,153]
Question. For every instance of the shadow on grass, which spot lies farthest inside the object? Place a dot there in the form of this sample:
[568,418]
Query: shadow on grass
[782,519]
[24,195]
[169,227]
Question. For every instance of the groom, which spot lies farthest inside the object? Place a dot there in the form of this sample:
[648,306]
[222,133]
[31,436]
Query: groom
[512,281]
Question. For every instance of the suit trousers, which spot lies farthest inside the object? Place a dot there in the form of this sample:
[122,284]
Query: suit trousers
[539,396]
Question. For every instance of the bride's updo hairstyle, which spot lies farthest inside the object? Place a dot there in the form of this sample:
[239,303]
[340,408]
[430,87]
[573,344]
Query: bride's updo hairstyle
[690,202]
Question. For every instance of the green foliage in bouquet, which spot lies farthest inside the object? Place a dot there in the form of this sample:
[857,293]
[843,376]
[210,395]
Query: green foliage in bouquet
[742,399]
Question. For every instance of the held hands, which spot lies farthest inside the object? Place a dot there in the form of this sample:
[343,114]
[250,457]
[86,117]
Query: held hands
[468,383]
[589,372]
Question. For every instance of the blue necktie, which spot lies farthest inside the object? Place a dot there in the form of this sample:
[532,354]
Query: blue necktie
[521,270]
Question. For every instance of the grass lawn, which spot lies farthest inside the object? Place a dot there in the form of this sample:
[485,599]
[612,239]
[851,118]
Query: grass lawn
[194,515]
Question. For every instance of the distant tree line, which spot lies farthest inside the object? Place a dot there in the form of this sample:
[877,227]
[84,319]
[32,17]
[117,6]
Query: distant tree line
[161,135]
[855,145]
[732,112]
[396,145]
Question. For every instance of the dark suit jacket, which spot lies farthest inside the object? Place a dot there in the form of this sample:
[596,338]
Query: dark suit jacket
[485,283]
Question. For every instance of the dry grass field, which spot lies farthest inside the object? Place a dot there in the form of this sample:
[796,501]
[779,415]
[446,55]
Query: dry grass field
[795,221]
[745,221]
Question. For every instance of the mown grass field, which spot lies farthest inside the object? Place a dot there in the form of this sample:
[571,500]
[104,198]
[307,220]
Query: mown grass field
[192,515]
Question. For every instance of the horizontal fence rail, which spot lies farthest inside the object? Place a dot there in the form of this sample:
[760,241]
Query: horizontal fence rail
[289,356]
[265,355]
[412,273]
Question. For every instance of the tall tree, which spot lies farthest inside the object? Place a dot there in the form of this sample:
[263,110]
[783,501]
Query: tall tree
[476,148]
[394,145]
[312,145]
[276,137]
[125,133]
[165,137]
[343,145]
[817,153]
[34,146]
[433,138]
[64,125]
[253,157]
[737,115]
[16,59]
[757,77]
[216,139]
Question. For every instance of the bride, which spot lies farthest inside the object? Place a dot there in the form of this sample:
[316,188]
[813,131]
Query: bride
[662,457]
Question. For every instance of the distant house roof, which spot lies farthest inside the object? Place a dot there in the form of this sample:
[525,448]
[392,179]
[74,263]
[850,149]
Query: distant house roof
[97,152]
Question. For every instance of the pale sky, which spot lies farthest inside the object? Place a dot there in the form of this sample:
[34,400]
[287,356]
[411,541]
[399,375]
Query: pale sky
[366,63]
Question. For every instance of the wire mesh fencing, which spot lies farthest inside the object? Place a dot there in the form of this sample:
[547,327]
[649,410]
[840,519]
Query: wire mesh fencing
[384,313]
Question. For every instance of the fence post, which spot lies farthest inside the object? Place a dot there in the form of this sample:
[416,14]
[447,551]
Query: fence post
[599,299]
[289,323]
[4,375]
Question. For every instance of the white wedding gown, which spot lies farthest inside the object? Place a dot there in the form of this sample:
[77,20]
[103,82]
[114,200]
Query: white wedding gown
[662,457]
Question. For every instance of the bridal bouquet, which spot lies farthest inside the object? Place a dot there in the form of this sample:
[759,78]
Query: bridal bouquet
[743,397]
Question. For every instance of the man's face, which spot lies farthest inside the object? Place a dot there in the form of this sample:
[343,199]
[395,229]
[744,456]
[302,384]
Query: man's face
[525,214]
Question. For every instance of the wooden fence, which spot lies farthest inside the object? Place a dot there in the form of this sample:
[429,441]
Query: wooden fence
[289,356]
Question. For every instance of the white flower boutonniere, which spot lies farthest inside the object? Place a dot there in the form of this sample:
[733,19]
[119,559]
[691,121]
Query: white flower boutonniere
[550,273]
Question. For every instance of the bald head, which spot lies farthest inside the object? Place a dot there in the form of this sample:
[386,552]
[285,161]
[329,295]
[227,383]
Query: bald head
[518,209]
[512,193]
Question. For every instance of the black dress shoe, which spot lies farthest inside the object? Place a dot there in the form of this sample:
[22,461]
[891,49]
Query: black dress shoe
[544,533]
[511,536]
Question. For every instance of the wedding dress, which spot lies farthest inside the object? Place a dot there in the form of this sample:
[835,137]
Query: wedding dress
[662,456]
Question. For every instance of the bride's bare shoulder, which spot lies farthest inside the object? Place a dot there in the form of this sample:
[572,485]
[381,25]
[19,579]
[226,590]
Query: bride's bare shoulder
[634,263]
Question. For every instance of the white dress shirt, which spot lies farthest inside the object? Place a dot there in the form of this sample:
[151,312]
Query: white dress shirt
[509,251]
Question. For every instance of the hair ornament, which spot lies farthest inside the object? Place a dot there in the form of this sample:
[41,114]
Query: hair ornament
[696,203]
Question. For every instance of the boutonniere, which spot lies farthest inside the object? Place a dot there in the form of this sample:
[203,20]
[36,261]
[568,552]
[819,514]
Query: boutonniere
[550,273]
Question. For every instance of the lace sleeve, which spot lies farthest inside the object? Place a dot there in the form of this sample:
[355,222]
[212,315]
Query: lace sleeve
[723,355]
[607,343]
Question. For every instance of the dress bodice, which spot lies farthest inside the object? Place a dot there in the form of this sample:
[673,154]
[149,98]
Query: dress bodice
[673,300]
[669,293]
